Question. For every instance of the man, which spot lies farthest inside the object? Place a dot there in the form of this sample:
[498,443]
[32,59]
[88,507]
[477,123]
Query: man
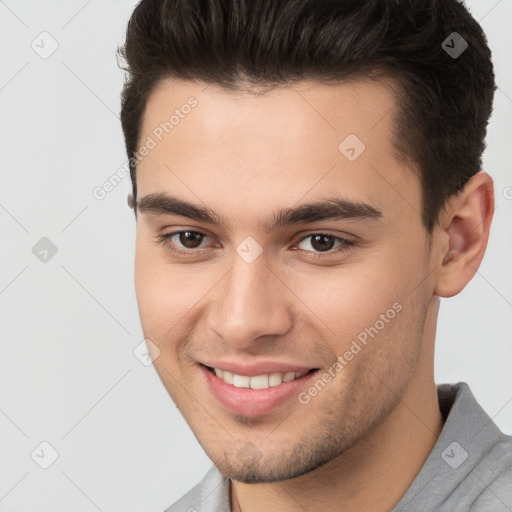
[307,184]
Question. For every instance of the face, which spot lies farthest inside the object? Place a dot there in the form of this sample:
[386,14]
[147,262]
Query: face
[278,235]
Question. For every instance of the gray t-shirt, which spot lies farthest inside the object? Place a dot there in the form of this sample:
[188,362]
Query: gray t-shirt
[468,470]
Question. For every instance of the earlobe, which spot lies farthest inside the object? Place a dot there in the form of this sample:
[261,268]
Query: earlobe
[464,230]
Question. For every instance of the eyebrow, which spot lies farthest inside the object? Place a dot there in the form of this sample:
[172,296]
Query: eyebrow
[326,209]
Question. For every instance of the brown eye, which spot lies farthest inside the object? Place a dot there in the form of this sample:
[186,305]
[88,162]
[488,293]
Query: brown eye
[182,242]
[318,243]
[322,242]
[190,239]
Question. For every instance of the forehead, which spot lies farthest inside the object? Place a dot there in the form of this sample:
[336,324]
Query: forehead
[304,109]
[287,143]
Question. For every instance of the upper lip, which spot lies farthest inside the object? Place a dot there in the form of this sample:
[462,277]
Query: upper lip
[257,367]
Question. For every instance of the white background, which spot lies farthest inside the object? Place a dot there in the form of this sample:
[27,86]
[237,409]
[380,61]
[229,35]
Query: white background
[68,327]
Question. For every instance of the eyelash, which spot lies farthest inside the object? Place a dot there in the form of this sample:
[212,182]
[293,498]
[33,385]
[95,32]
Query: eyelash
[345,245]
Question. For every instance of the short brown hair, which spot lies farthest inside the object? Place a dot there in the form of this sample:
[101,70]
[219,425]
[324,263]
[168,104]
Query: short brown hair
[444,99]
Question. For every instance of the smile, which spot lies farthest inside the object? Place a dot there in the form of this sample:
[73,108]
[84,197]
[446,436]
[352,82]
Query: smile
[257,381]
[257,394]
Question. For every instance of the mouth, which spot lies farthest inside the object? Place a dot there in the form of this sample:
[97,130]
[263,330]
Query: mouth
[255,395]
[263,381]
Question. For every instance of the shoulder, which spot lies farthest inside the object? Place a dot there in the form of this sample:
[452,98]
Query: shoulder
[209,495]
[189,502]
[493,477]
[487,483]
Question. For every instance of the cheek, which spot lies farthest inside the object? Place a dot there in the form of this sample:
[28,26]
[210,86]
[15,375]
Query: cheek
[160,294]
[169,296]
[361,298]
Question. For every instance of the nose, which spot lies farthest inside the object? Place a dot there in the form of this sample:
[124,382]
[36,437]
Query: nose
[250,302]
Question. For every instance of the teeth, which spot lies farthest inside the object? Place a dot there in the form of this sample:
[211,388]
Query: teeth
[274,379]
[258,381]
[228,377]
[287,377]
[241,381]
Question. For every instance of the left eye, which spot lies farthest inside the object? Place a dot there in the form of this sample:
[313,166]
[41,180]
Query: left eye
[320,242]
[187,239]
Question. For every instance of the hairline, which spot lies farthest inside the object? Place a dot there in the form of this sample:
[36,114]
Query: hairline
[388,76]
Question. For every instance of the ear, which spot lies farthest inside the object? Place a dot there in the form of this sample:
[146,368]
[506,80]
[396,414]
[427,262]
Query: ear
[462,234]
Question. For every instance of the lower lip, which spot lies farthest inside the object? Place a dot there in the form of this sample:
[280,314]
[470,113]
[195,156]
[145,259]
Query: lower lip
[253,402]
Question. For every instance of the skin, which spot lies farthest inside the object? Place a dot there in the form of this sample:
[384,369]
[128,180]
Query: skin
[358,444]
